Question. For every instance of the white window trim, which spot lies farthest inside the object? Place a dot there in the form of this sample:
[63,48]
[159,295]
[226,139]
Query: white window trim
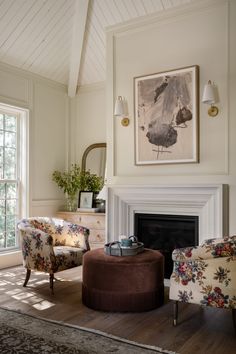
[12,257]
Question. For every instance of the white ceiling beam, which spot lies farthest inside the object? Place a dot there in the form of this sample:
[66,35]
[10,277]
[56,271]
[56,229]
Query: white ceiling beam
[81,10]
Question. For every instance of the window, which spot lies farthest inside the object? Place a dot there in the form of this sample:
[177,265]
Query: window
[12,152]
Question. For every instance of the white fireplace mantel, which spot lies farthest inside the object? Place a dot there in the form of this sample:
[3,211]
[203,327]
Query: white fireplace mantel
[208,202]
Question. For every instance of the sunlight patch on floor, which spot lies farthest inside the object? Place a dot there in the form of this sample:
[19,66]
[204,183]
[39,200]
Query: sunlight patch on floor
[8,282]
[43,305]
[14,291]
[38,282]
[62,279]
[21,296]
[20,282]
[2,283]
[8,274]
[32,300]
[39,273]
[29,296]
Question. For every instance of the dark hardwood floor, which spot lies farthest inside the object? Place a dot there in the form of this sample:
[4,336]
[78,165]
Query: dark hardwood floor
[200,330]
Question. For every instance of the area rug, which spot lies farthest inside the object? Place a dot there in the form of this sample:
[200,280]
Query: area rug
[21,334]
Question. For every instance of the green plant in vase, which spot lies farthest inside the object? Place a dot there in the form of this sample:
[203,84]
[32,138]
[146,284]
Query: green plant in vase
[69,182]
[73,180]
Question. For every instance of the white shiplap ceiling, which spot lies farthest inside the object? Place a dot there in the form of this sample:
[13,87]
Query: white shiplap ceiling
[40,35]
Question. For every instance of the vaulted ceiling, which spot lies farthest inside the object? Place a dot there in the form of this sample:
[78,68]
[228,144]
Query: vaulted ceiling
[64,40]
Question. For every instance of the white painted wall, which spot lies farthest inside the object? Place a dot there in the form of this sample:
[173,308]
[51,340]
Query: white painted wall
[49,146]
[203,34]
[48,118]
[89,119]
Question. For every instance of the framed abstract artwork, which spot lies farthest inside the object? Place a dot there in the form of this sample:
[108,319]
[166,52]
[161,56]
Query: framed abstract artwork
[166,117]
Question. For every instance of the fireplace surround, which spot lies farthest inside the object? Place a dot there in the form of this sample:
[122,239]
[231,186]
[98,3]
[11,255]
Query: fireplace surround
[207,202]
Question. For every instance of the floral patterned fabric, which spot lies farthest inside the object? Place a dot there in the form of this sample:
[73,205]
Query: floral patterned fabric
[206,274]
[52,245]
[67,257]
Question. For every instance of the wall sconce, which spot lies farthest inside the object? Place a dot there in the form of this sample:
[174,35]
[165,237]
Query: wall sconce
[210,96]
[120,111]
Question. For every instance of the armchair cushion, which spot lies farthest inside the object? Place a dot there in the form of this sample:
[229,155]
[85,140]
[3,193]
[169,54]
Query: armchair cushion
[67,257]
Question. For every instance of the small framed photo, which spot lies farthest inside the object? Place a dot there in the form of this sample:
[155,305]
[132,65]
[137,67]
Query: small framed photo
[85,199]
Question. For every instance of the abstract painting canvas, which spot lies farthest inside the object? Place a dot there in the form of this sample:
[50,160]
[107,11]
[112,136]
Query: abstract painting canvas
[166,117]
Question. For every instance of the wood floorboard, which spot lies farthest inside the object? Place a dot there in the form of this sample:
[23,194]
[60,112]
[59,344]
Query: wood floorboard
[200,330]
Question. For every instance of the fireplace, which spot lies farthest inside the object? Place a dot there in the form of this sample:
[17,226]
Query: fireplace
[208,202]
[165,233]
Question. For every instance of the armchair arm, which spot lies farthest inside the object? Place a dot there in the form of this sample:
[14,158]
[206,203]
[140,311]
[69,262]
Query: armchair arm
[37,248]
[213,248]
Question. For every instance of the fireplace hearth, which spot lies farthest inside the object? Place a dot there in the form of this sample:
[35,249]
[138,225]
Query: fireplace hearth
[165,233]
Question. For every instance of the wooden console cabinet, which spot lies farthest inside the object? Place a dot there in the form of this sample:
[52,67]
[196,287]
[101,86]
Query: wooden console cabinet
[95,222]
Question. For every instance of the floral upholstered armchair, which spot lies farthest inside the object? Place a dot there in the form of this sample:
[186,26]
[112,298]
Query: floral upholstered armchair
[205,275]
[51,245]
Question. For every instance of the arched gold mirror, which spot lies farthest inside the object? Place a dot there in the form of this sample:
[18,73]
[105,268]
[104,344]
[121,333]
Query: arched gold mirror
[94,159]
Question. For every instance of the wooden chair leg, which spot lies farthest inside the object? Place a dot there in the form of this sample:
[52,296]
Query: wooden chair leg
[234,318]
[27,276]
[51,282]
[176,310]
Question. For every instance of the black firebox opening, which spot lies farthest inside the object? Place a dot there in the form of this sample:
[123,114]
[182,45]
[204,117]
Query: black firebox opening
[165,233]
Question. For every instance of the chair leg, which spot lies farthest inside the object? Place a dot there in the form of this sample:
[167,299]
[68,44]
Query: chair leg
[234,318]
[27,276]
[51,275]
[176,310]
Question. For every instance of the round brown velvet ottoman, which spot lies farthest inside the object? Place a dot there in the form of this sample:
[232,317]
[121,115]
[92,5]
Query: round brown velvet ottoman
[131,283]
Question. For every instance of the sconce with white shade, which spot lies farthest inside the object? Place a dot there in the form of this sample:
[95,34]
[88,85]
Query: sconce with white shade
[120,111]
[210,96]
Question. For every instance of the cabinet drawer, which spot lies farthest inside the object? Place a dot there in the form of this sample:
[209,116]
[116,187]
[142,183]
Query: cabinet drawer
[91,221]
[97,236]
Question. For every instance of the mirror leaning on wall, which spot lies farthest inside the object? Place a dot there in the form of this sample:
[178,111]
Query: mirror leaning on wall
[94,159]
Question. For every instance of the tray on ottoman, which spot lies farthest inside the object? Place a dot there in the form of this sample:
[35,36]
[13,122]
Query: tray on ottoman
[115,249]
